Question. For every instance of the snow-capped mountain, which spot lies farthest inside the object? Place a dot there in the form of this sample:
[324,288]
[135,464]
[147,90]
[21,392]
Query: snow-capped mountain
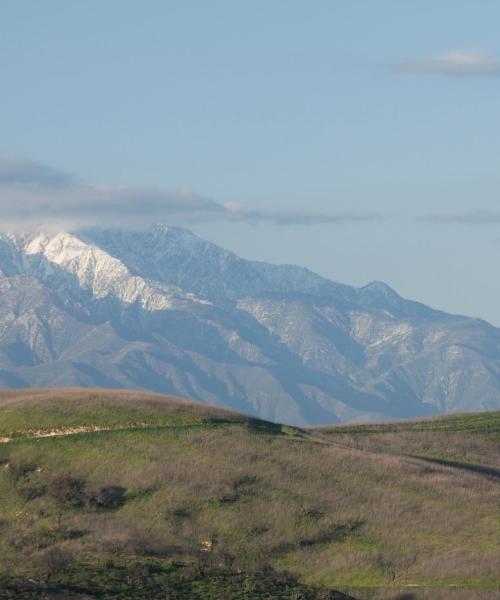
[167,311]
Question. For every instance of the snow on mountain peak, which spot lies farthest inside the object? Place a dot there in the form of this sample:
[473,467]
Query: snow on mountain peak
[99,272]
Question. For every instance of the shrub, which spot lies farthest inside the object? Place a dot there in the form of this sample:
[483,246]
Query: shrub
[67,490]
[20,470]
[110,496]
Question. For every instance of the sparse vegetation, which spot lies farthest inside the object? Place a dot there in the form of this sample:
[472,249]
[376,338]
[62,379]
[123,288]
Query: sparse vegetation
[182,491]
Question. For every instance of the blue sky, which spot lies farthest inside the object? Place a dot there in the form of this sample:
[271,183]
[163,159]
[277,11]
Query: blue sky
[358,138]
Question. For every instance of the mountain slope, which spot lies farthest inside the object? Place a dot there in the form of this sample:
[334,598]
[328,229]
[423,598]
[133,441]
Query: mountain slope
[165,311]
[99,488]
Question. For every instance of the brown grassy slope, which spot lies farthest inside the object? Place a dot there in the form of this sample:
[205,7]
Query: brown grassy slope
[33,396]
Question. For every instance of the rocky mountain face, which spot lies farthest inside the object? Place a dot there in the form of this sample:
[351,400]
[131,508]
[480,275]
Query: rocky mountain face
[164,310]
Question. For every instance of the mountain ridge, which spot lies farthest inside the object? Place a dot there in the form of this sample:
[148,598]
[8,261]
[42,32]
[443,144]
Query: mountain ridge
[166,311]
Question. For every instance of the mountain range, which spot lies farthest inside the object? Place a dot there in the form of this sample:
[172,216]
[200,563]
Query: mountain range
[166,311]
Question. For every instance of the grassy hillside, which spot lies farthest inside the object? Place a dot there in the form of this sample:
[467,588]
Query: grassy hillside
[118,494]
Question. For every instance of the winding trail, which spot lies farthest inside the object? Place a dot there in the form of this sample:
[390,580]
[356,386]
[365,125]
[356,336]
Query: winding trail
[63,431]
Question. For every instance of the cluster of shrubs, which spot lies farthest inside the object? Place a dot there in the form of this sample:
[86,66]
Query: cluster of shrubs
[66,490]
[137,580]
[72,491]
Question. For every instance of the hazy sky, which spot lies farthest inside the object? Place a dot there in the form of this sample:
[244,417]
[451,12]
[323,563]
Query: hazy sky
[358,138]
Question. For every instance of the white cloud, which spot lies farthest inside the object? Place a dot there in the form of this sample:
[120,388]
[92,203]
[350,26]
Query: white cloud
[458,63]
[36,195]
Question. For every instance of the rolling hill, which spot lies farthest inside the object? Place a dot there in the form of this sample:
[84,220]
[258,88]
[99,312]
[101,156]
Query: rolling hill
[166,311]
[105,493]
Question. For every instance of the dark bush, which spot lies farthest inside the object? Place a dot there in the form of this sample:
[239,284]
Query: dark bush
[31,490]
[181,513]
[67,490]
[110,496]
[20,470]
[28,484]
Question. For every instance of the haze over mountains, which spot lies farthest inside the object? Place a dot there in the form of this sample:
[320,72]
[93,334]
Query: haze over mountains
[164,310]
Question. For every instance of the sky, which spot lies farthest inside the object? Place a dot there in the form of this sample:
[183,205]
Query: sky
[360,139]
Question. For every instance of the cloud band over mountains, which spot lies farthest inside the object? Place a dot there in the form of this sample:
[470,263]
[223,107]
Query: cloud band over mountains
[34,194]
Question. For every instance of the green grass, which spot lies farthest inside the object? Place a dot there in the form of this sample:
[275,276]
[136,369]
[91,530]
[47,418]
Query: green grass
[382,506]
[473,423]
